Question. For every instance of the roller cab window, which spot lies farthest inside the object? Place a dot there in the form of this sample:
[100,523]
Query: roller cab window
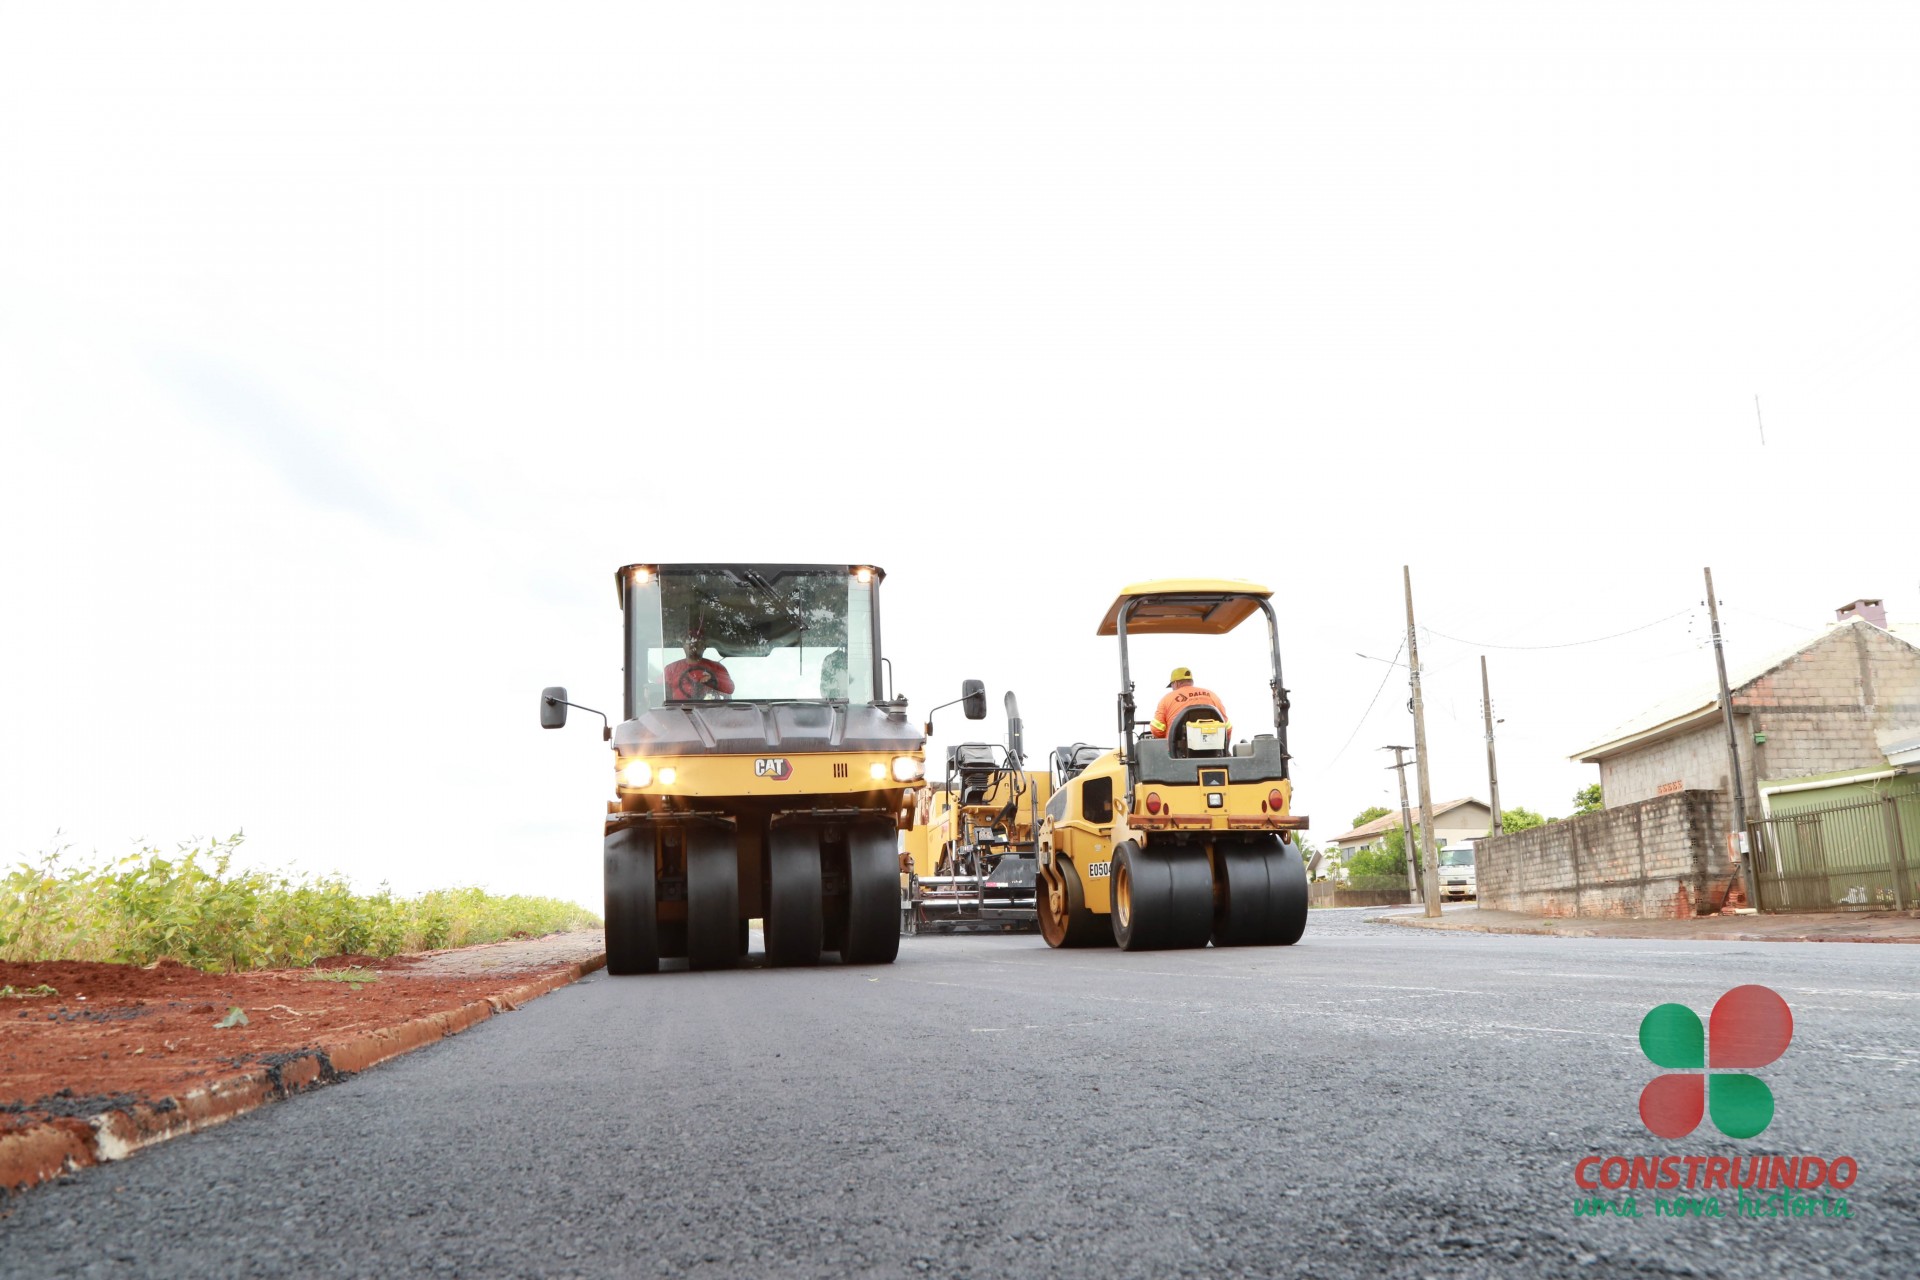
[744,634]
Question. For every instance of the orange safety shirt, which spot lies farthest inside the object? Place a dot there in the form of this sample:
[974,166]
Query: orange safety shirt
[1171,705]
[691,678]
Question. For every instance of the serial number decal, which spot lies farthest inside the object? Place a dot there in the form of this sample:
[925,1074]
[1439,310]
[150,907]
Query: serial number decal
[778,768]
[1098,870]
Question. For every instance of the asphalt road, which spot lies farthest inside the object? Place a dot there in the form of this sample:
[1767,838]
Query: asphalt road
[1373,1101]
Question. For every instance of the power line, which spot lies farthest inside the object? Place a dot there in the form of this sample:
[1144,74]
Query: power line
[1568,644]
[1782,622]
[1369,710]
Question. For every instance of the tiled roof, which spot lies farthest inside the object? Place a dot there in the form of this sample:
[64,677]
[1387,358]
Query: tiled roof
[1702,698]
[1380,826]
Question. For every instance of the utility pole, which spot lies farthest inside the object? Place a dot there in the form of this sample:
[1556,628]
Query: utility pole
[1429,856]
[1493,771]
[1399,766]
[1733,749]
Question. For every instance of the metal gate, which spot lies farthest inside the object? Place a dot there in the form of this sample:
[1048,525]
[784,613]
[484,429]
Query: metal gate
[1863,854]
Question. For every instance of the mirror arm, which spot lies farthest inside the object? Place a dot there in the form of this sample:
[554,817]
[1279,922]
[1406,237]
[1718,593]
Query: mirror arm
[606,726]
[943,706]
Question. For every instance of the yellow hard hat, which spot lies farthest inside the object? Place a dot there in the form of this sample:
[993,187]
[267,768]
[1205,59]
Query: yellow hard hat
[1179,673]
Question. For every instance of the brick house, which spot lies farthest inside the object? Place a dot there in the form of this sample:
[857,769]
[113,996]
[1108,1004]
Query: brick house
[1829,705]
[1454,822]
[1834,708]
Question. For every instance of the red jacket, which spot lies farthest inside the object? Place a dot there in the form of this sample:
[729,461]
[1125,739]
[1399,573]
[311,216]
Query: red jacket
[1176,699]
[691,678]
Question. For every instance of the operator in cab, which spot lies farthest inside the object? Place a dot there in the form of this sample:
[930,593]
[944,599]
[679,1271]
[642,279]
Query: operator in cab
[694,678]
[1181,693]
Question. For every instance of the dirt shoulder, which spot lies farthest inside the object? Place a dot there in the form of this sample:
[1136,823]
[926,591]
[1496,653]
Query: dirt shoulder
[1825,926]
[98,1060]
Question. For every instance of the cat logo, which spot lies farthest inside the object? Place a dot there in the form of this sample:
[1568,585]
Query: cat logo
[776,768]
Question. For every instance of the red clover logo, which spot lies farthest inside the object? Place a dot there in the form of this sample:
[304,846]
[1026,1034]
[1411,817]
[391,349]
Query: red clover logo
[1750,1026]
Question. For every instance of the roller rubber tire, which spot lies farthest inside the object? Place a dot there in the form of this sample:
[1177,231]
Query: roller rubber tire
[1243,902]
[633,931]
[1161,901]
[1287,876]
[873,895]
[713,896]
[1077,926]
[795,926]
[1192,879]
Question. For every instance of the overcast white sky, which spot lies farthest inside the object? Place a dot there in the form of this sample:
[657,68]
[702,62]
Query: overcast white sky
[345,351]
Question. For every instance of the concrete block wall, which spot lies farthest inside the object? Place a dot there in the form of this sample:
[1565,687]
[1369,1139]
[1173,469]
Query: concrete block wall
[1825,709]
[1660,858]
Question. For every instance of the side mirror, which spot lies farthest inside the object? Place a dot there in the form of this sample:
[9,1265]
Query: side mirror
[973,699]
[553,707]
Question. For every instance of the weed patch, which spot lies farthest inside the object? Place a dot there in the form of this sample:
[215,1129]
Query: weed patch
[196,907]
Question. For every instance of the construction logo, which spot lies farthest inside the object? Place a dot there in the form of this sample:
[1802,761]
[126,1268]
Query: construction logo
[1750,1026]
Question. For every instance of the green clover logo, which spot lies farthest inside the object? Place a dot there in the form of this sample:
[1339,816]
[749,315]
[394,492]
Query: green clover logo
[1750,1026]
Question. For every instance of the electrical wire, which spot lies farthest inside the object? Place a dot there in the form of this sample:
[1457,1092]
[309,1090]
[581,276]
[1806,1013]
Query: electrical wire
[1568,644]
[1369,710]
[1797,626]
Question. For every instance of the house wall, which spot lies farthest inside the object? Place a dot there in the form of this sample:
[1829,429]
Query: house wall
[1468,822]
[1840,793]
[1696,759]
[1660,858]
[1821,710]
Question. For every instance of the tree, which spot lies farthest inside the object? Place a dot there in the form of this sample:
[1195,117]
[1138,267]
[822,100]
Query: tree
[1377,864]
[1368,814]
[1587,800]
[1383,864]
[1396,843]
[1518,819]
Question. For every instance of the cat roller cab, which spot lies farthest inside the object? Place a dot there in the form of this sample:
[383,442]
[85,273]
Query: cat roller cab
[1183,840]
[759,771]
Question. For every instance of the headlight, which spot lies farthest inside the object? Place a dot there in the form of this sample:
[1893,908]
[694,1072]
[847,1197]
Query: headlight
[906,768]
[878,771]
[636,773]
[667,775]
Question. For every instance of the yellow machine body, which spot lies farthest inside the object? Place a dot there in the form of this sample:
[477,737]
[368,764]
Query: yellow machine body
[1176,841]
[939,821]
[1083,836]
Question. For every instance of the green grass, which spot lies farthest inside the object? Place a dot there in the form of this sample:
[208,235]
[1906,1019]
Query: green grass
[197,908]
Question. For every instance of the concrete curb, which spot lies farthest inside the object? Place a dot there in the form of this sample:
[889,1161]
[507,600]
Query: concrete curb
[42,1152]
[1419,922]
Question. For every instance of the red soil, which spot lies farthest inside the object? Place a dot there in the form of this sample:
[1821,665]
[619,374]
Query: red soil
[116,1035]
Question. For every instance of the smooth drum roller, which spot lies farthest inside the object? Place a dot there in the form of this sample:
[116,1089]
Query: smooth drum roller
[1161,901]
[1261,893]
[1287,874]
[713,896]
[633,936]
[873,895]
[796,919]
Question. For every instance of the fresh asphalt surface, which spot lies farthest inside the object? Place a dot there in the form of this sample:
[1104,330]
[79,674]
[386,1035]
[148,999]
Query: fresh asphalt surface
[1373,1101]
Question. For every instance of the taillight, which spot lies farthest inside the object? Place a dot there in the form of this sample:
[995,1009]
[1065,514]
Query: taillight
[1153,802]
[1274,799]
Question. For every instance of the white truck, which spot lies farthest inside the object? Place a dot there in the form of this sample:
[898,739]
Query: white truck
[1456,872]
